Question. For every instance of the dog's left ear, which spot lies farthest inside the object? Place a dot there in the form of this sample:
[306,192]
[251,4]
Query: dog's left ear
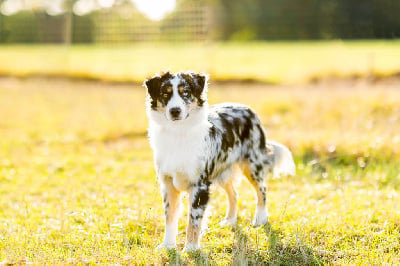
[153,88]
[200,82]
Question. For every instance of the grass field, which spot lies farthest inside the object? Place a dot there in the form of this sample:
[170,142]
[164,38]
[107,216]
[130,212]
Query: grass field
[274,62]
[77,184]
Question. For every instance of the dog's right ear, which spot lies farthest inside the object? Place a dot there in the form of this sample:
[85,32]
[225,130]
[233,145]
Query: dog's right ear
[153,86]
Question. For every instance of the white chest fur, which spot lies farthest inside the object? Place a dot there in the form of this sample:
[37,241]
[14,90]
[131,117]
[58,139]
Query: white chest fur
[179,153]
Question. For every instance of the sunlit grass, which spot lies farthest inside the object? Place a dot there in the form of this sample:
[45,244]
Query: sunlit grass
[77,183]
[275,62]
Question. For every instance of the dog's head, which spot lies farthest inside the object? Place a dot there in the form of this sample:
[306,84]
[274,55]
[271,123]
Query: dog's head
[177,96]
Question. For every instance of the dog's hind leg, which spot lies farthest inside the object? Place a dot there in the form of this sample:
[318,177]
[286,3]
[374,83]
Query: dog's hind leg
[254,171]
[231,212]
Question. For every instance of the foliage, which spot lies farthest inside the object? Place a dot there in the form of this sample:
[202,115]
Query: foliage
[239,20]
[38,27]
[77,184]
[309,20]
[25,25]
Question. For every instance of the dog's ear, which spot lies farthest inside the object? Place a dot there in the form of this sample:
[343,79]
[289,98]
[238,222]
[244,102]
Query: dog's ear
[153,86]
[200,82]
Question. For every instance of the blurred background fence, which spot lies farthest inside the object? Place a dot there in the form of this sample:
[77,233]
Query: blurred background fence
[122,21]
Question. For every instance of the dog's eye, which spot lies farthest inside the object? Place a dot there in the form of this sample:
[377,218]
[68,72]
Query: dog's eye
[186,93]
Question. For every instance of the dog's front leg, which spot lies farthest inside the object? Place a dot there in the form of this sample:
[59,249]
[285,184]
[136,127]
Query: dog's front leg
[171,199]
[199,195]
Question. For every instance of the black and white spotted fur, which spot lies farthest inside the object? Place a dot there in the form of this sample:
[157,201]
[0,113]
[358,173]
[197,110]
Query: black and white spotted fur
[195,145]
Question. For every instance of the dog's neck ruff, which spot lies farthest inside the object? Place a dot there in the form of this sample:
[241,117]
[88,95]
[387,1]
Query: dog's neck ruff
[179,146]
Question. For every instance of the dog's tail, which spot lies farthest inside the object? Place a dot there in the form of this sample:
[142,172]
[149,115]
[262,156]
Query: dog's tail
[281,158]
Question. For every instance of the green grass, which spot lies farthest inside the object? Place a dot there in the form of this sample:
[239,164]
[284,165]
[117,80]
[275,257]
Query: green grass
[77,184]
[275,62]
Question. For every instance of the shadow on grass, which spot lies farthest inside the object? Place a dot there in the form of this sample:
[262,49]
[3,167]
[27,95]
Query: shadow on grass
[278,252]
[199,258]
[175,257]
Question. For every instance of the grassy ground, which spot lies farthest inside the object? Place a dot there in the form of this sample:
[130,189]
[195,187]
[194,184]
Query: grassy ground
[276,62]
[77,183]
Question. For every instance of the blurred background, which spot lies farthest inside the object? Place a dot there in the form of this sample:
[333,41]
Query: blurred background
[269,41]
[127,21]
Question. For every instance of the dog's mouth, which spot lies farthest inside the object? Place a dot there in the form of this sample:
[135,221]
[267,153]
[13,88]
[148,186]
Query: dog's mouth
[179,118]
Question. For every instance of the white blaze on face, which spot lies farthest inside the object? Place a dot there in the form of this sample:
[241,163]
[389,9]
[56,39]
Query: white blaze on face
[176,102]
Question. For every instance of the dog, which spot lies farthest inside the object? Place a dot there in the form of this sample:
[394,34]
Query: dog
[195,145]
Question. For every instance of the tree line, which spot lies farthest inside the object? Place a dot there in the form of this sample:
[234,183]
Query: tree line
[308,19]
[228,20]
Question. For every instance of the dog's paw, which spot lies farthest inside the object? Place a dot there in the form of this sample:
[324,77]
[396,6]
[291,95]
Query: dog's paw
[228,222]
[190,247]
[165,246]
[260,218]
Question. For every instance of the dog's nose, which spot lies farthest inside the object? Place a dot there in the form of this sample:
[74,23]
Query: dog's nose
[175,111]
